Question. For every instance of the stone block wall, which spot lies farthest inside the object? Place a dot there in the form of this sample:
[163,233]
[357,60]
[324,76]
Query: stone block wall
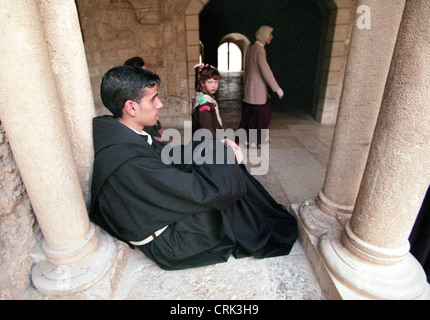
[116,30]
[19,231]
[333,60]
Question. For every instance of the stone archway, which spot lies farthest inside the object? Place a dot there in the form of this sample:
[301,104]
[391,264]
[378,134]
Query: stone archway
[332,59]
[240,40]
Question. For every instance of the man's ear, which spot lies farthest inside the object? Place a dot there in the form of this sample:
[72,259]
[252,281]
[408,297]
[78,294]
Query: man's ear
[130,107]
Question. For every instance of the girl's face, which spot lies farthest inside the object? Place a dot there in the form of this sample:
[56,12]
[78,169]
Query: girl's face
[210,85]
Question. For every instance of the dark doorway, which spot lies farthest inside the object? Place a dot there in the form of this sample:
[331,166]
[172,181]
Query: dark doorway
[294,52]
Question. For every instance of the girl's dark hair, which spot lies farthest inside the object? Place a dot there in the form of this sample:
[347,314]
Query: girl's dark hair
[204,72]
[124,83]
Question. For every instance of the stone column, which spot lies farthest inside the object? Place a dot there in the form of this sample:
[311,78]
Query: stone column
[30,110]
[371,256]
[369,61]
[69,66]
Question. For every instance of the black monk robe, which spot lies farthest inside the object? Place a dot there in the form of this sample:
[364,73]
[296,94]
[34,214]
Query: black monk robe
[211,211]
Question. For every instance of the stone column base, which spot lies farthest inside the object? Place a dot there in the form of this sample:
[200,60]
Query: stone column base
[310,229]
[83,279]
[345,275]
[316,220]
[333,209]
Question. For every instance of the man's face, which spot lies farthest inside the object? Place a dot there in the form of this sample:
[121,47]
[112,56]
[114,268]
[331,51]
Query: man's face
[147,113]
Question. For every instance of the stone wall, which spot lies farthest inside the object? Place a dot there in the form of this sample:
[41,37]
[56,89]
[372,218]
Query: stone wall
[116,30]
[333,58]
[19,231]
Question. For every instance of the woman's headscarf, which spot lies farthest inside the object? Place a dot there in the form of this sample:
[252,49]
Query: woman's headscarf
[263,33]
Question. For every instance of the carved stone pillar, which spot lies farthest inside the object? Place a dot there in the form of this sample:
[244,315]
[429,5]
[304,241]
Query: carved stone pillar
[69,66]
[77,255]
[369,61]
[371,258]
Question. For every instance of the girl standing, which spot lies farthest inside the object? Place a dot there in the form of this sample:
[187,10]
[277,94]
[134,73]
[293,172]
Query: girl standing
[205,108]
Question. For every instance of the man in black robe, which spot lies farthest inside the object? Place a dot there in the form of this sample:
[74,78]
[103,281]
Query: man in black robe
[420,235]
[178,215]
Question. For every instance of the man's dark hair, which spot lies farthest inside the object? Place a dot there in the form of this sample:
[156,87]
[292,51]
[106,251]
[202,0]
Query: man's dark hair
[124,83]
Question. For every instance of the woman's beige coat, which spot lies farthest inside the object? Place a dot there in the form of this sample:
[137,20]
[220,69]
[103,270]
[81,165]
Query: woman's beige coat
[257,75]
